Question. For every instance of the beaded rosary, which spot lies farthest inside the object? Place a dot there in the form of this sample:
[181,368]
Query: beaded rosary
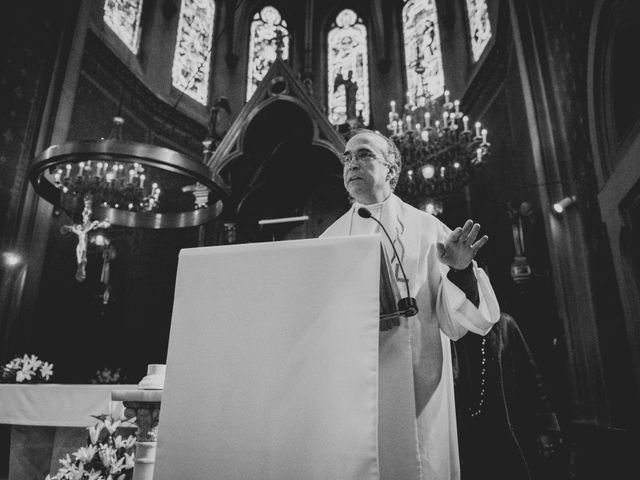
[478,410]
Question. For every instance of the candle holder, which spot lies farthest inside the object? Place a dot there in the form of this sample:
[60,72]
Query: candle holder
[439,147]
[131,184]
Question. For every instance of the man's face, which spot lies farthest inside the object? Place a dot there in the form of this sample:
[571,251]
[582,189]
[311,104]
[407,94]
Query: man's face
[366,174]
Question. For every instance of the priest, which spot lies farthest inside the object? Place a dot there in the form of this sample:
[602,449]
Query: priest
[453,296]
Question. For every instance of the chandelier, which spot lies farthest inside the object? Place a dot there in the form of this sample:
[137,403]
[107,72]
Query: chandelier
[129,184]
[438,146]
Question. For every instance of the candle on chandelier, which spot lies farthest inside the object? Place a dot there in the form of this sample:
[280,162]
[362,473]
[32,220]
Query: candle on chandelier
[428,171]
[68,167]
[445,119]
[465,122]
[478,125]
[408,120]
[132,173]
[484,136]
[142,177]
[456,104]
[393,106]
[99,172]
[446,96]
[418,128]
[427,120]
[479,155]
[81,169]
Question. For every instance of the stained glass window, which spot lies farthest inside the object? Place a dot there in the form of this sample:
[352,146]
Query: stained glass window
[192,58]
[422,52]
[123,17]
[479,26]
[348,69]
[268,34]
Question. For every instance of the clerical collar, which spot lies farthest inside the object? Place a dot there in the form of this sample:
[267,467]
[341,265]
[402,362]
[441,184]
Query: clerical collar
[372,207]
[363,226]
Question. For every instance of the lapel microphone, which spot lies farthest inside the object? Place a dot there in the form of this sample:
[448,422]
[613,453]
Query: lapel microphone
[407,306]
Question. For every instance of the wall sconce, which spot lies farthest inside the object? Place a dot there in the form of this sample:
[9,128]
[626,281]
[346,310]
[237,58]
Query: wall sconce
[565,203]
[11,259]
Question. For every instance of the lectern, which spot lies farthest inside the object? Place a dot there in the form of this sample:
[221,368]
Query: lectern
[277,368]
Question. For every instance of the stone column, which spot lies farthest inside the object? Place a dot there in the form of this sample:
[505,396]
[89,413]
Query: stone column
[144,404]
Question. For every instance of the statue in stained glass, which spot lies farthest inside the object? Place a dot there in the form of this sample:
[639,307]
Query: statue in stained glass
[350,92]
[347,41]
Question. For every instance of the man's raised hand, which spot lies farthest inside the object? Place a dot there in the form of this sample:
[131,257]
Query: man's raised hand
[461,246]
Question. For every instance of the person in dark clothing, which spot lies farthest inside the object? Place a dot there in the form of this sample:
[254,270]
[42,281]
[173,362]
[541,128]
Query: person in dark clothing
[506,427]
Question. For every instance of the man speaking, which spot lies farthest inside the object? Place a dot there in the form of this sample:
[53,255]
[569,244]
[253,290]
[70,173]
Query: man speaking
[453,297]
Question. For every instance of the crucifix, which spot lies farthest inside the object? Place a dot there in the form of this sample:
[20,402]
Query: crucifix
[81,230]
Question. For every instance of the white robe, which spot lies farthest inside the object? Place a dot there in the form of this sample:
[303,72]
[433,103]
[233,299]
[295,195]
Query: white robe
[444,312]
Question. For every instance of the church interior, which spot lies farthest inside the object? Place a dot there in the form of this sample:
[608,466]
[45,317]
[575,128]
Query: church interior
[523,116]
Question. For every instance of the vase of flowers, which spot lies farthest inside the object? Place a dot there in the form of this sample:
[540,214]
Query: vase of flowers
[26,369]
[107,456]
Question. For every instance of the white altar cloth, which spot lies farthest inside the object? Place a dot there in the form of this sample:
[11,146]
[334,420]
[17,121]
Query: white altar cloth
[57,405]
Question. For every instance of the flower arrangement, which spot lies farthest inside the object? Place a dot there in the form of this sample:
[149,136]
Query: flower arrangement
[26,369]
[107,456]
[108,375]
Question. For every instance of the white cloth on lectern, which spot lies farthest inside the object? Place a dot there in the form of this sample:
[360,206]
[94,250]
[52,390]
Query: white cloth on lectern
[444,312]
[265,378]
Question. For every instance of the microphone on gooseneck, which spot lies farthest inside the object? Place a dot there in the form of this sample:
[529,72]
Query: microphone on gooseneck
[408,304]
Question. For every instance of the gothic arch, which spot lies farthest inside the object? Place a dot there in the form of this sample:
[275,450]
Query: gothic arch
[614,130]
[612,81]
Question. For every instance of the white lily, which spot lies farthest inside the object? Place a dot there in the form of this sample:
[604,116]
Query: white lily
[93,475]
[94,432]
[119,442]
[111,425]
[107,455]
[46,370]
[66,461]
[22,375]
[129,460]
[116,467]
[85,454]
[15,363]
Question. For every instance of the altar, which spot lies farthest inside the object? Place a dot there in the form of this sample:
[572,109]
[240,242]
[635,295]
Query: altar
[47,421]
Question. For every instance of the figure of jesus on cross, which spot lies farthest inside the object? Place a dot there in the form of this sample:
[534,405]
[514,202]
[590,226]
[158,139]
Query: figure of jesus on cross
[82,231]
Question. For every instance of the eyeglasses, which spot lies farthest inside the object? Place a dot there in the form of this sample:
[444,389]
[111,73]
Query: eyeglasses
[361,156]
